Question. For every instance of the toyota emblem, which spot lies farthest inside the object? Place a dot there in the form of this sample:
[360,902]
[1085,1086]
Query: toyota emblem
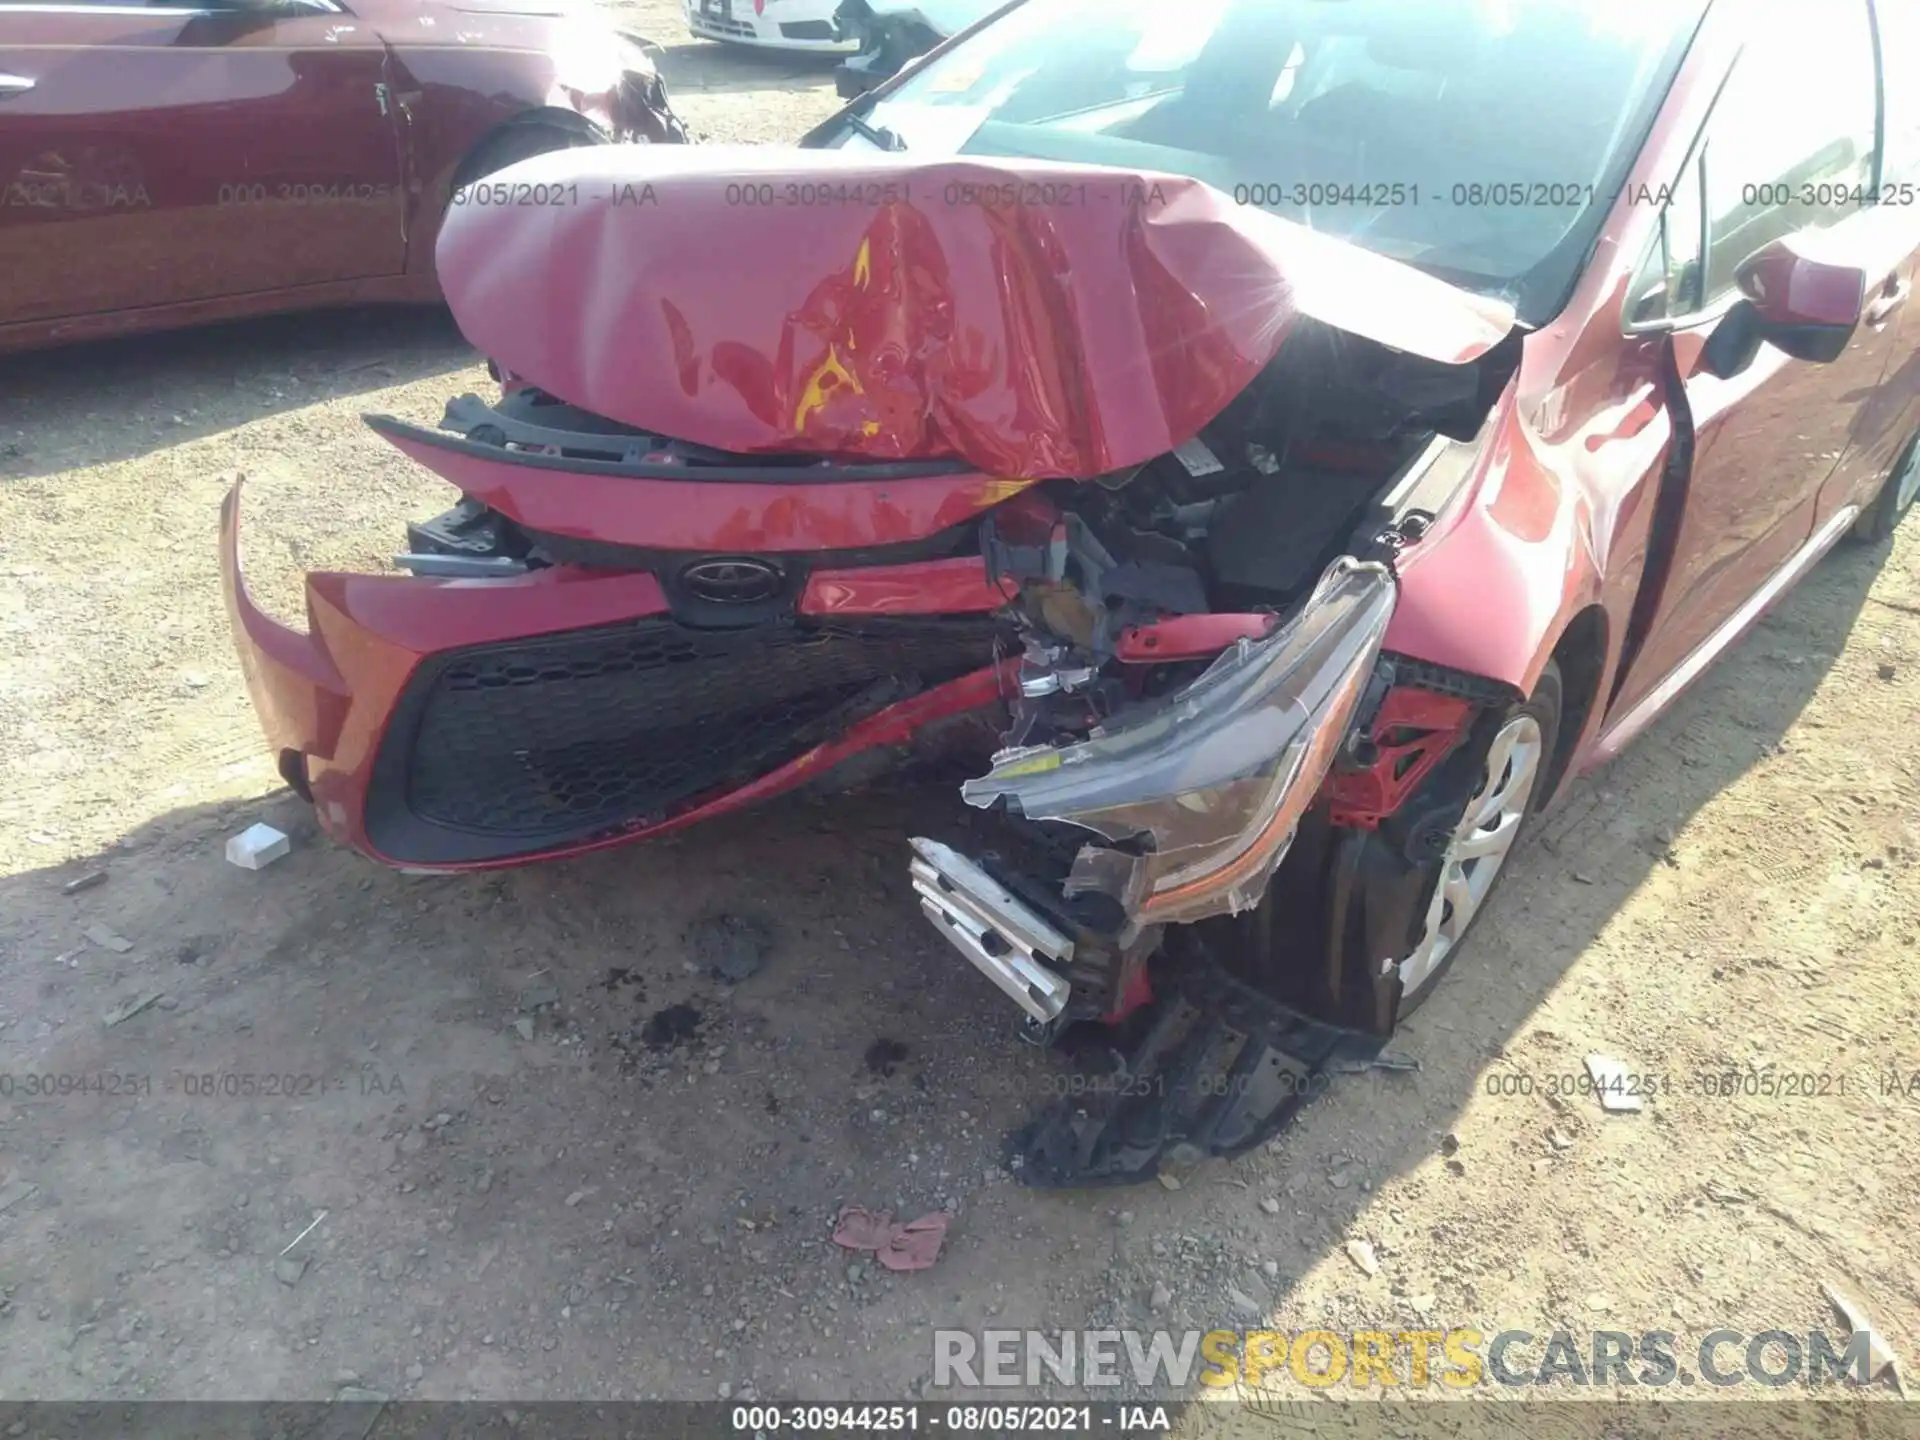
[741,581]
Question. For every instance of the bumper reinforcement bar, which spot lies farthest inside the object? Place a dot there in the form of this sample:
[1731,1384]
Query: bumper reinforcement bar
[1005,938]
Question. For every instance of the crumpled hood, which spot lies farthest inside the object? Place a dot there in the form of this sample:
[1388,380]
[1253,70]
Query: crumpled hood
[1034,319]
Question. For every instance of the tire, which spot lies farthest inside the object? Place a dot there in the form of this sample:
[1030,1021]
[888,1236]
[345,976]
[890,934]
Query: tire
[1895,500]
[1542,711]
[515,143]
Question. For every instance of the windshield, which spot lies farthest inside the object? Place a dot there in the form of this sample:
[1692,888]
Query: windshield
[1477,139]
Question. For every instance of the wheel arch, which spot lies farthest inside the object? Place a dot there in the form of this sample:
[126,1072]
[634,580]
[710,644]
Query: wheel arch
[541,117]
[1581,656]
[434,196]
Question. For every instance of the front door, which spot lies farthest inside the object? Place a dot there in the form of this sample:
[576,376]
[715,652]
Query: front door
[155,155]
[1790,146]
[1885,419]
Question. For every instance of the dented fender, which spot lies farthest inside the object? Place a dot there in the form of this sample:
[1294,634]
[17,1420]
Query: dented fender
[1494,582]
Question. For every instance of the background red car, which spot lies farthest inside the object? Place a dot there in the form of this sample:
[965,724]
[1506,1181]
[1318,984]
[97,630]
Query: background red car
[167,164]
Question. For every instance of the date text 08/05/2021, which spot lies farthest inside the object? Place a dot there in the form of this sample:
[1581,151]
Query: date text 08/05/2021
[1115,1420]
[197,1085]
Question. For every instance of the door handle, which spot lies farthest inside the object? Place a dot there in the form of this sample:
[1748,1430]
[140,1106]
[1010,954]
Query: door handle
[1889,300]
[11,85]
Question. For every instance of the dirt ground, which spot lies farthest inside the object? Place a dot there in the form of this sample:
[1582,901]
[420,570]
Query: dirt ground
[532,1189]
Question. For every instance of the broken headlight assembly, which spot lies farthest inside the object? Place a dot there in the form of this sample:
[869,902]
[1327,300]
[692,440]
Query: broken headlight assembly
[1193,798]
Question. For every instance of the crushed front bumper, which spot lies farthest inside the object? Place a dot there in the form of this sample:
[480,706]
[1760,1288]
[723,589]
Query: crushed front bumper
[882,45]
[456,723]
[1193,801]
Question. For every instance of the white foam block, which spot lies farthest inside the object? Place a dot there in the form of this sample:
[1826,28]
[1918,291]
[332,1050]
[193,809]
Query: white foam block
[257,847]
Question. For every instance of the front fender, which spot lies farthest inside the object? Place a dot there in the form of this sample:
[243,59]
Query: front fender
[1493,584]
[523,70]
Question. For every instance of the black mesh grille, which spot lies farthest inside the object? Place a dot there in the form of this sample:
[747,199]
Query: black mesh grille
[549,740]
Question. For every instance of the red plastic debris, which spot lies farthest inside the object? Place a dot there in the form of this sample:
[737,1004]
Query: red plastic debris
[912,1246]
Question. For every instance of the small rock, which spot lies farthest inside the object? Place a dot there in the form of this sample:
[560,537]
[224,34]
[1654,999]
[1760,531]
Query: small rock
[1246,1304]
[107,940]
[1344,1176]
[346,1377]
[413,1142]
[289,1268]
[577,1196]
[1557,1140]
[1270,1205]
[1881,1359]
[1449,1143]
[725,1391]
[523,1027]
[734,946]
[84,882]
[1423,1304]
[1361,1254]
[1270,1268]
[1124,1218]
[257,847]
[1610,1079]
[416,1371]
[1160,1298]
[1168,1181]
[1887,672]
[1581,878]
[1598,1303]
[534,996]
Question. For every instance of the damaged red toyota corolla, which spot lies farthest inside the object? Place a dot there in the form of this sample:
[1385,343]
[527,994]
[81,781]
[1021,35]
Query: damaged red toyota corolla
[1309,430]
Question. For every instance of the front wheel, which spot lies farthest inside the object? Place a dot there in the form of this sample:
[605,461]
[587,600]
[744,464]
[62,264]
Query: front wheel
[1896,498]
[1511,791]
[515,143]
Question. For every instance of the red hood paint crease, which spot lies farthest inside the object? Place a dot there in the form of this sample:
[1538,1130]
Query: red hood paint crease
[1086,320]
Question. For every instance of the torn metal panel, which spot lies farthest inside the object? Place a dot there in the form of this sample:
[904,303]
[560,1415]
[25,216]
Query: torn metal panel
[1005,938]
[1202,792]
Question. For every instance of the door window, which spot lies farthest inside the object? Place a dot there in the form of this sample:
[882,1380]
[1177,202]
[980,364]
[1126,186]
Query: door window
[1670,282]
[1790,145]
[1900,59]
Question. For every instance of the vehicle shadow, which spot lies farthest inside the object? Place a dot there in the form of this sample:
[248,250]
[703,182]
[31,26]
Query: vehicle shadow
[122,398]
[864,1063]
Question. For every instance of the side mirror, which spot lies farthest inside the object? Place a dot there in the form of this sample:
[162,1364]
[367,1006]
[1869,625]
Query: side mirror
[1794,298]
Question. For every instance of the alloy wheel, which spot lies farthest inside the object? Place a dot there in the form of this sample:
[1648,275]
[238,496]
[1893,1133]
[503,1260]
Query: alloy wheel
[1479,847]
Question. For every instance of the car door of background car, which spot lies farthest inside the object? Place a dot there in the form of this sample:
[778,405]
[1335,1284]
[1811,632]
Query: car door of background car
[1789,147]
[153,155]
[1887,418]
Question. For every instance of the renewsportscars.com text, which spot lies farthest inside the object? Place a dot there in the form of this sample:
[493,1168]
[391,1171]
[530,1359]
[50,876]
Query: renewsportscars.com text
[1459,1359]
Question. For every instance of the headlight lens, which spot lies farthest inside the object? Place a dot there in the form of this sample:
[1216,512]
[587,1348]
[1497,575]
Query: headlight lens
[1215,778]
